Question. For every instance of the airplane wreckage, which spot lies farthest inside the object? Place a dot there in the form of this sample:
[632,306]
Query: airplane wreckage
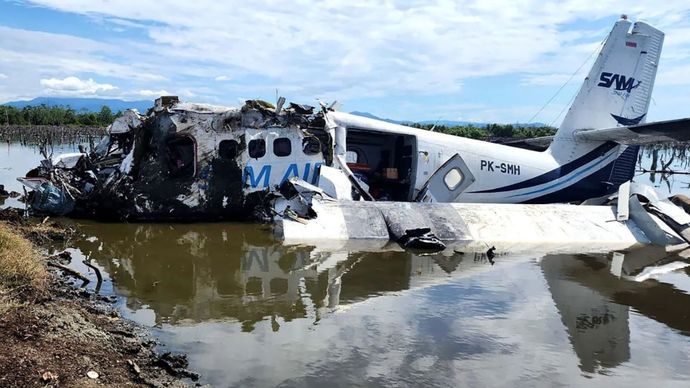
[319,174]
[191,162]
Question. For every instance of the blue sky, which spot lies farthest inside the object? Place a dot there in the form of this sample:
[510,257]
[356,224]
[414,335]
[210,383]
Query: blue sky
[495,61]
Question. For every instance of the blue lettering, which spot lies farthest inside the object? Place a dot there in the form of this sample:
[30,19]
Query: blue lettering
[621,82]
[305,177]
[265,173]
[317,170]
[290,172]
[605,80]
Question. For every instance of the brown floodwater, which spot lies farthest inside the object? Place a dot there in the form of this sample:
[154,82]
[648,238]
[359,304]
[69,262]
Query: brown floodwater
[250,311]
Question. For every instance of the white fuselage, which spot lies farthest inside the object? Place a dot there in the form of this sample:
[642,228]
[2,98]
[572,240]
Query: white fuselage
[495,167]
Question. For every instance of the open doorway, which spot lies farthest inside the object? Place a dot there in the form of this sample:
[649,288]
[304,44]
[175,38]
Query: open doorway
[384,162]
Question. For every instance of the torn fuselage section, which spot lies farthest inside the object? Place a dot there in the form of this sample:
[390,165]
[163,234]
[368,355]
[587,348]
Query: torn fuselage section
[184,161]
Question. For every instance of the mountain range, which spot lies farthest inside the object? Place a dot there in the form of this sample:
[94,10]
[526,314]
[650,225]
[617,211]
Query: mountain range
[95,105]
[84,104]
[447,123]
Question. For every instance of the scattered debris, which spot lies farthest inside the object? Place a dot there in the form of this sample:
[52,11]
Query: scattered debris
[99,277]
[69,271]
[490,254]
[49,376]
[135,367]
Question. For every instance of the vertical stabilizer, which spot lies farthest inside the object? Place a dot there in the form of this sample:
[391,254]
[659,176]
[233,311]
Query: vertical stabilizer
[617,90]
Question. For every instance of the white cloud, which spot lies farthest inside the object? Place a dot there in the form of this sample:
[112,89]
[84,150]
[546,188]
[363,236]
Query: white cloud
[3,76]
[74,86]
[546,79]
[332,50]
[152,93]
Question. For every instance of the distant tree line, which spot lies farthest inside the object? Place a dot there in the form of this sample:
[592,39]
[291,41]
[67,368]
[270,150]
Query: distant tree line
[59,115]
[490,130]
[55,115]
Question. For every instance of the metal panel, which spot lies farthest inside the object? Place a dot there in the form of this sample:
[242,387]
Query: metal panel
[443,185]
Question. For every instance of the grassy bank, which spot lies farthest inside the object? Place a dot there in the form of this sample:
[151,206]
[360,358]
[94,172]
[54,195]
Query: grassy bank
[23,275]
[55,334]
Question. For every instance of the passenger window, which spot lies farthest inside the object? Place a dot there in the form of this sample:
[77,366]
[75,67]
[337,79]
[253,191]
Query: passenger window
[311,145]
[282,146]
[227,149]
[181,153]
[257,148]
[453,179]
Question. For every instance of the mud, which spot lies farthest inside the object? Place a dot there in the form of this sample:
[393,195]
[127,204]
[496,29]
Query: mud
[67,336]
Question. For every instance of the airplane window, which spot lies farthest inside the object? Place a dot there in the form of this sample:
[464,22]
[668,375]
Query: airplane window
[311,145]
[227,149]
[453,179]
[181,153]
[257,148]
[282,146]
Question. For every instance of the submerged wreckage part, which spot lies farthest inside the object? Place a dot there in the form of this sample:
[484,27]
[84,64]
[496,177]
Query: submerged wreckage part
[458,225]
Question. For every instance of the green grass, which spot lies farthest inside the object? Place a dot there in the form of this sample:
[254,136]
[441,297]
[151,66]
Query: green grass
[22,272]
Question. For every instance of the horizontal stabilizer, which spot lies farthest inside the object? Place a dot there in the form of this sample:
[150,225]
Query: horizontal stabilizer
[660,131]
[534,143]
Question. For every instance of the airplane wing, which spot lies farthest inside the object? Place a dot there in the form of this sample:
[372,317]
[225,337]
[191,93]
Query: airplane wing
[660,131]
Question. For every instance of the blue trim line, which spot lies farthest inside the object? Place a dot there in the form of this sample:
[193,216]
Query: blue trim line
[555,173]
[565,181]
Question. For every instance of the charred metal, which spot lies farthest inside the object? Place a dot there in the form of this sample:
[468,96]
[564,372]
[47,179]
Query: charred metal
[184,161]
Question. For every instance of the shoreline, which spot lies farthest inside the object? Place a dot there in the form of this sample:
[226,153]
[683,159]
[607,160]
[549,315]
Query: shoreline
[57,333]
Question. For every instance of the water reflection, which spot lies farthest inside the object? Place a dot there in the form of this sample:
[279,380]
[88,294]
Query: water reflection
[595,304]
[252,312]
[200,272]
[665,167]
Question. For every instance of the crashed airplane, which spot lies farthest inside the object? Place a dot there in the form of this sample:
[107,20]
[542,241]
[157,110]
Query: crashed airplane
[319,173]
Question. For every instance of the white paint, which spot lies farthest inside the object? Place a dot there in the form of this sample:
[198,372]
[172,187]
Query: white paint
[654,272]
[127,162]
[189,200]
[129,120]
[507,226]
[67,160]
[277,168]
[335,183]
[617,264]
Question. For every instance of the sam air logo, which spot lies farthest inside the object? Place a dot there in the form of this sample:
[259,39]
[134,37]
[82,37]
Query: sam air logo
[619,81]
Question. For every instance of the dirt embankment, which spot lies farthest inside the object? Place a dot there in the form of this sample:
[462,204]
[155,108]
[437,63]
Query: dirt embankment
[54,333]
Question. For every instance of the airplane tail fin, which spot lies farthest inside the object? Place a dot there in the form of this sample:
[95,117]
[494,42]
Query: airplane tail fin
[617,90]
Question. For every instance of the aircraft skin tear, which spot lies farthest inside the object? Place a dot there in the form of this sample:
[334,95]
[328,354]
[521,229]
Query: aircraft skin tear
[180,161]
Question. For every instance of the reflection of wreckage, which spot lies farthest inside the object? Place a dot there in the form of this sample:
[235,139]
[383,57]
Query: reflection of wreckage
[292,166]
[216,271]
[595,304]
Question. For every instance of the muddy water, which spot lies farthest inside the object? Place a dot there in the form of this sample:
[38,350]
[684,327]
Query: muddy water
[250,311]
